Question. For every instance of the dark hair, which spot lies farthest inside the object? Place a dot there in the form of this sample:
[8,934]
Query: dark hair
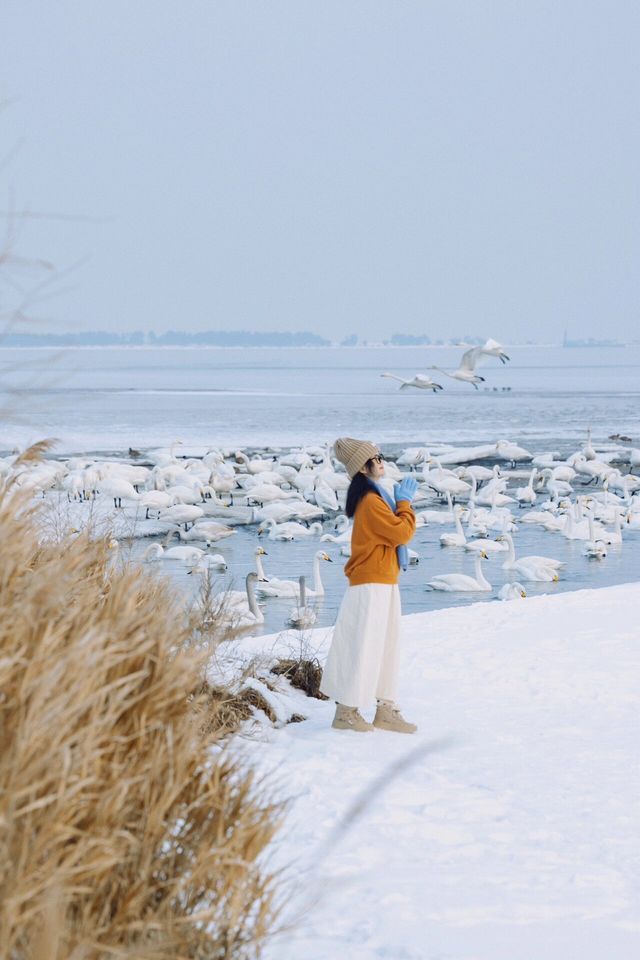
[359,486]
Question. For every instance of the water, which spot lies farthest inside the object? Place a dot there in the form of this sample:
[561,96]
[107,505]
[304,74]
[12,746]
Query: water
[114,398]
[110,399]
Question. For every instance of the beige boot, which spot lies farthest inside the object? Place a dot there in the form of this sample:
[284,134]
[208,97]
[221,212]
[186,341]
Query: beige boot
[350,718]
[388,717]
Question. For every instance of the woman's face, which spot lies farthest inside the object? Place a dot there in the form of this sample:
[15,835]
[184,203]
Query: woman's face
[375,468]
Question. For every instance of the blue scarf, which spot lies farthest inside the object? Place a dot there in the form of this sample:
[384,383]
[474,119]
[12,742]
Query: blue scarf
[402,551]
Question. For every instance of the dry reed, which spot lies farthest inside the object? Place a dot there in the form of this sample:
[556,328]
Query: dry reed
[126,828]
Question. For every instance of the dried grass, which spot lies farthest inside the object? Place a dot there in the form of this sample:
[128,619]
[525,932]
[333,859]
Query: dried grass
[126,828]
[303,673]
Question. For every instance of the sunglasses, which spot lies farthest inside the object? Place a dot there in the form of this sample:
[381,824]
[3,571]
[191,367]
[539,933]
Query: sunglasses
[378,458]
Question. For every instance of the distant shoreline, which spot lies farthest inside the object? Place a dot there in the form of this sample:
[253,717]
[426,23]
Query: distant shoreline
[274,346]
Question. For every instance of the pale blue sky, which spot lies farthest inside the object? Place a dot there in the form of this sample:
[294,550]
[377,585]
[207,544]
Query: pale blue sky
[340,166]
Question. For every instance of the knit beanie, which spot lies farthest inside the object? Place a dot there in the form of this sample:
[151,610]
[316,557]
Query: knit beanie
[354,453]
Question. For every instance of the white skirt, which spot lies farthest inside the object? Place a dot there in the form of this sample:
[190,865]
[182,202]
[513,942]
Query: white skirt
[362,665]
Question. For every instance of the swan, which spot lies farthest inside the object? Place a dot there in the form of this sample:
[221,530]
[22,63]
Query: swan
[286,511]
[119,490]
[587,447]
[156,500]
[289,530]
[256,465]
[210,561]
[491,348]
[512,452]
[302,616]
[268,492]
[596,549]
[615,535]
[484,544]
[209,531]
[461,582]
[527,495]
[457,539]
[512,591]
[157,552]
[593,469]
[466,371]
[324,495]
[419,381]
[240,609]
[512,564]
[444,481]
[412,456]
[182,513]
[289,588]
[259,553]
[344,528]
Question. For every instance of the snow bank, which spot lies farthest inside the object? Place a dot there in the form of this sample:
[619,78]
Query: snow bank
[513,829]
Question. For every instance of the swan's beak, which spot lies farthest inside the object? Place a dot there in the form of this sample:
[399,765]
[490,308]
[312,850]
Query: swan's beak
[484,555]
[260,532]
[325,556]
[523,594]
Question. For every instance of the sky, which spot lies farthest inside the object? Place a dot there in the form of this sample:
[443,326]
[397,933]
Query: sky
[345,166]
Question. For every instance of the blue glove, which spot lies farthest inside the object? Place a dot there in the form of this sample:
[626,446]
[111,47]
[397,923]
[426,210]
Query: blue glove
[406,489]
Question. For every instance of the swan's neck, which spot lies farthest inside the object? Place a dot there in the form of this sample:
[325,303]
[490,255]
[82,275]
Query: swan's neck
[251,600]
[259,567]
[512,549]
[480,577]
[459,529]
[317,581]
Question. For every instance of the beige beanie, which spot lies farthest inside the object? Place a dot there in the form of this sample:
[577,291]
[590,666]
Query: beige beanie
[354,453]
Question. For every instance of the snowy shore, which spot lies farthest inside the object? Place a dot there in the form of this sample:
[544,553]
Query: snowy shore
[514,832]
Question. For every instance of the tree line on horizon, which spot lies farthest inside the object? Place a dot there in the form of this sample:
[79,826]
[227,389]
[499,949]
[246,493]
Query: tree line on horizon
[216,338]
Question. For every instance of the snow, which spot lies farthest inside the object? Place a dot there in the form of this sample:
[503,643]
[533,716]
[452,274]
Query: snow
[507,827]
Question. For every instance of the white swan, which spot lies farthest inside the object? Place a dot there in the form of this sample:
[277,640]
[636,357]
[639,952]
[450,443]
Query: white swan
[512,453]
[444,481]
[290,530]
[256,465]
[289,588]
[512,591]
[419,381]
[484,544]
[302,616]
[182,514]
[461,582]
[536,569]
[344,528]
[210,561]
[527,495]
[466,371]
[258,554]
[512,564]
[596,549]
[457,539]
[155,551]
[241,610]
[209,531]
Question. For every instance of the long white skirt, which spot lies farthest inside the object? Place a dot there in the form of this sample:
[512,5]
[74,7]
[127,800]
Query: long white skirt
[362,665]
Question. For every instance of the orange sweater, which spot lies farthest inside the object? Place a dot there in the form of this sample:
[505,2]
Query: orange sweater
[377,531]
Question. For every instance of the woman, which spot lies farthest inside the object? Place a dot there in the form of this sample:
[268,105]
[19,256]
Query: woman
[363,660]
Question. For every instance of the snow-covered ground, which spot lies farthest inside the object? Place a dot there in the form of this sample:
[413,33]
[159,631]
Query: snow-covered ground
[507,828]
